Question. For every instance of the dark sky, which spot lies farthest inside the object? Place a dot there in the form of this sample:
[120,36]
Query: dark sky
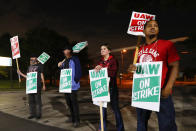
[78,21]
[93,20]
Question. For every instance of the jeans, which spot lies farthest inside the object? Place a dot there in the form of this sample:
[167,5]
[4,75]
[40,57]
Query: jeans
[35,104]
[115,107]
[166,116]
[72,102]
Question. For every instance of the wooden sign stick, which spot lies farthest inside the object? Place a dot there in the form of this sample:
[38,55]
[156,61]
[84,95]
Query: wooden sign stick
[137,49]
[101,115]
[63,60]
[18,69]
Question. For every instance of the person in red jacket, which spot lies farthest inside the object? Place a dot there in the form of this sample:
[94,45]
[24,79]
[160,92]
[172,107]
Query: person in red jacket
[155,49]
[111,64]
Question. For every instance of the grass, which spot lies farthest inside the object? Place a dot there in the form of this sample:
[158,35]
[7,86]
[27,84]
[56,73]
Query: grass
[5,85]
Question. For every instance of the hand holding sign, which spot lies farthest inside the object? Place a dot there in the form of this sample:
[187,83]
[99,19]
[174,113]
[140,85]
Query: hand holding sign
[98,68]
[132,68]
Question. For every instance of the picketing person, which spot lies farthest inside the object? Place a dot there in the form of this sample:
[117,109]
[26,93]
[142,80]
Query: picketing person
[107,60]
[155,49]
[34,99]
[72,62]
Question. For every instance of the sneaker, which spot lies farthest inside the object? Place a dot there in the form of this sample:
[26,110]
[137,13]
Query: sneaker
[38,117]
[76,124]
[31,117]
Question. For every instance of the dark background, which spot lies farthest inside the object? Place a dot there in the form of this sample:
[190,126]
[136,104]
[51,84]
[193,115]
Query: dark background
[48,25]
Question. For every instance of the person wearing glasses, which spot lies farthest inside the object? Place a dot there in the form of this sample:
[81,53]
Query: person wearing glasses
[35,102]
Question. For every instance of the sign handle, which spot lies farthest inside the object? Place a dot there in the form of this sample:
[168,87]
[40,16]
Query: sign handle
[63,60]
[101,115]
[137,49]
[18,69]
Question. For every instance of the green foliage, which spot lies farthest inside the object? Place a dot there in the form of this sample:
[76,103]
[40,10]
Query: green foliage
[36,41]
[4,72]
[40,40]
[7,84]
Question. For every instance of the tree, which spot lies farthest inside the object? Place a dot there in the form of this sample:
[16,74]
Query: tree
[40,40]
[5,51]
[36,41]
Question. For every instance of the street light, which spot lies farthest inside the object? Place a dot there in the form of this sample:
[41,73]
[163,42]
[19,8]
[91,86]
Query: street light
[121,74]
[122,58]
[184,52]
[124,51]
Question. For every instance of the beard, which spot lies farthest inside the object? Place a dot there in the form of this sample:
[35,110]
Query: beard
[33,62]
[152,36]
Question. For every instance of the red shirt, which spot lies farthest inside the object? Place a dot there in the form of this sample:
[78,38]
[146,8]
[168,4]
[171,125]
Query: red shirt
[161,50]
[111,64]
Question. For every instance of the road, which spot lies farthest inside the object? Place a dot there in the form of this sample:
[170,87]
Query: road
[55,111]
[12,123]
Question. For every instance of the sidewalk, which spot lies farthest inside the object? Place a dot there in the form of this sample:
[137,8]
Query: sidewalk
[55,111]
[19,124]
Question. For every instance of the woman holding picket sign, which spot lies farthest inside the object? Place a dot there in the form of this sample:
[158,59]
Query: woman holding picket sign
[111,63]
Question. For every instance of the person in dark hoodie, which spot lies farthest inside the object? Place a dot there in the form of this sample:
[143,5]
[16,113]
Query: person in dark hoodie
[72,62]
[111,64]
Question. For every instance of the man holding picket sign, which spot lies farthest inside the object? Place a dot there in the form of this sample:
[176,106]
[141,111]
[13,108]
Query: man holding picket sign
[34,78]
[70,83]
[108,61]
[155,50]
